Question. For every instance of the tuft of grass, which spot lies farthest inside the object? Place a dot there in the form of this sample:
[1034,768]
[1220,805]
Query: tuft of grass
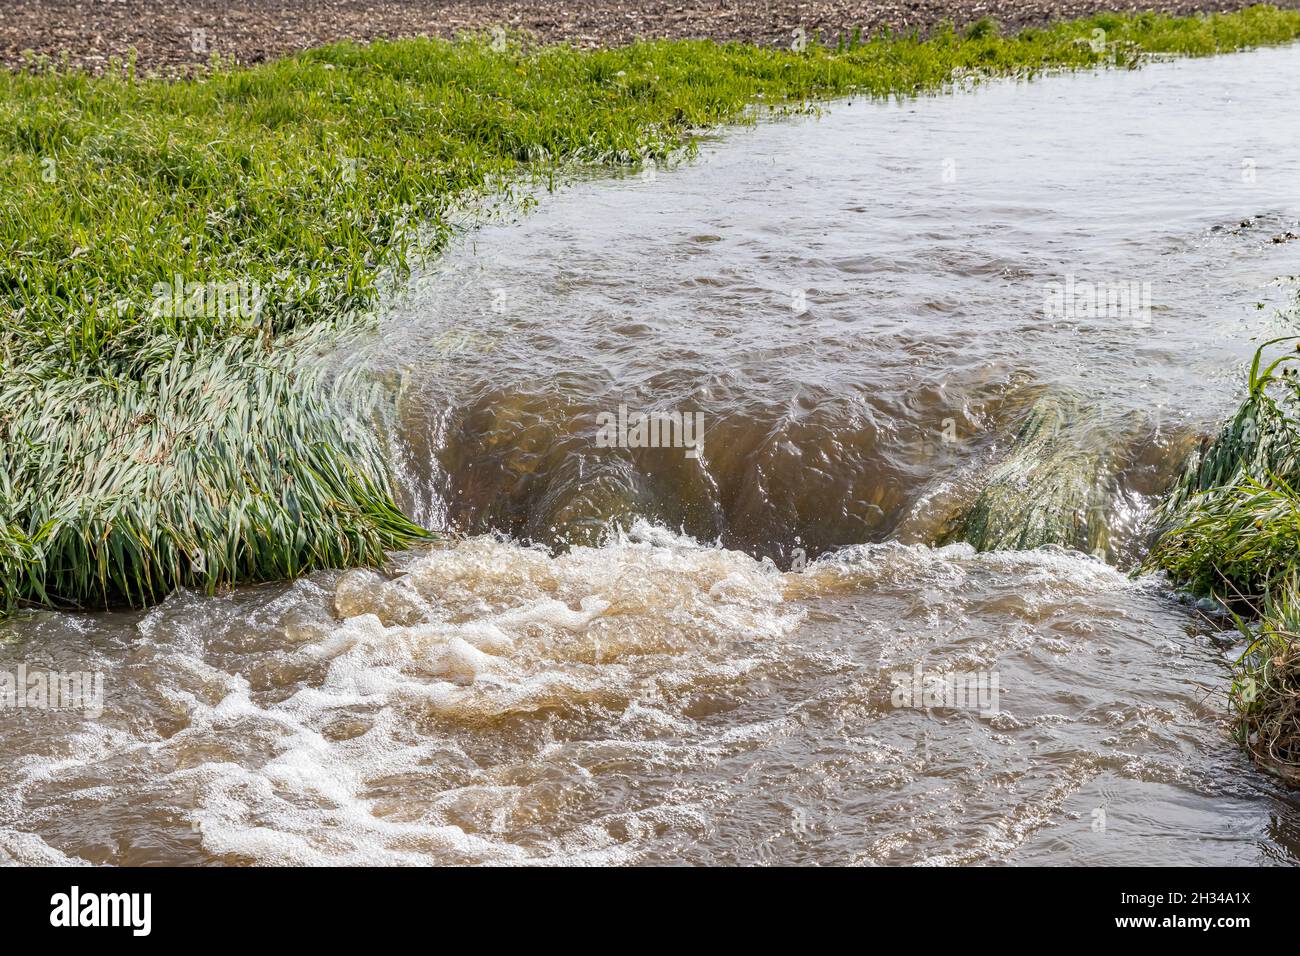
[1043,491]
[1230,530]
[1265,693]
[136,437]
[1228,526]
[219,462]
[982,28]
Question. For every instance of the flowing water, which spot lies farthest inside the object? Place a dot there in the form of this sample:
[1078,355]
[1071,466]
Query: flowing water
[751,648]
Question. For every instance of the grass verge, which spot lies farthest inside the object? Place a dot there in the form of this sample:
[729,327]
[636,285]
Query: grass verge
[1230,530]
[167,246]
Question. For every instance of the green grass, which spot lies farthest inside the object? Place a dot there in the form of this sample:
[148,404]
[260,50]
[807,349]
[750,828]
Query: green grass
[1230,530]
[146,449]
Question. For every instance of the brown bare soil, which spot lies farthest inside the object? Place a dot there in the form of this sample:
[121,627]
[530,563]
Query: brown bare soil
[173,36]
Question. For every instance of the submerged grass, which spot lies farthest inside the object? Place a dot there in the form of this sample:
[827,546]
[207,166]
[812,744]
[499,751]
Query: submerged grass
[1042,491]
[153,437]
[1230,530]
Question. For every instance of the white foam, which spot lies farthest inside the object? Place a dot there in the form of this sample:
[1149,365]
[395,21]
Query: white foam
[28,849]
[483,630]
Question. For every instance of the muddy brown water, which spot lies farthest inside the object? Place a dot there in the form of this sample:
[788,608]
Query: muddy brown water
[755,655]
